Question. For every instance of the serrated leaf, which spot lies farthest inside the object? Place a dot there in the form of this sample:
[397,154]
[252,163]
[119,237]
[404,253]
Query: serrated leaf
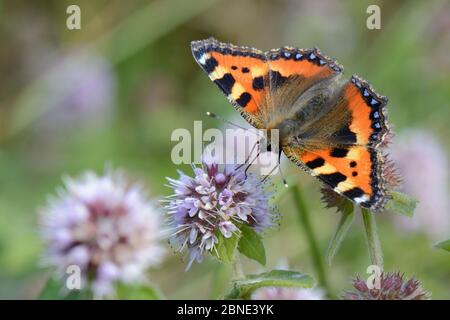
[226,248]
[243,288]
[445,245]
[251,245]
[401,203]
[344,225]
[138,292]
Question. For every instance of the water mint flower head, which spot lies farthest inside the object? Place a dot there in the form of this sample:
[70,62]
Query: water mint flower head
[393,286]
[214,203]
[105,226]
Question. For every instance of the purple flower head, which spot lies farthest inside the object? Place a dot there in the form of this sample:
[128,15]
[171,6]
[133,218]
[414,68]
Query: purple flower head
[392,286]
[105,226]
[215,203]
[78,90]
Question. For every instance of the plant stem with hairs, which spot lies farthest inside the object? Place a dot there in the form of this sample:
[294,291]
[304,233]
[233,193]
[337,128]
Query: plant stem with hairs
[373,240]
[303,214]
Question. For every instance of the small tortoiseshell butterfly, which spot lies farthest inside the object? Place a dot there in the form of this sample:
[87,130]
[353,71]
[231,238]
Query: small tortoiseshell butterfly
[330,126]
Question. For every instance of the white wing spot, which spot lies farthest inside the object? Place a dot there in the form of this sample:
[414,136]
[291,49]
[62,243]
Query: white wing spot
[203,58]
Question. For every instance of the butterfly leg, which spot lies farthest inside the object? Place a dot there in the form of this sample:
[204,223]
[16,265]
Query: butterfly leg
[279,168]
[248,157]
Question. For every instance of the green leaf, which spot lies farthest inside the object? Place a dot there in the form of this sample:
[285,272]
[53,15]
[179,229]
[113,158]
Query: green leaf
[226,248]
[401,203]
[138,292]
[344,225]
[54,290]
[243,288]
[445,245]
[251,245]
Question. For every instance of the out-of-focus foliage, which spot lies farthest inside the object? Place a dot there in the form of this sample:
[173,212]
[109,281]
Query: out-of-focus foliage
[114,91]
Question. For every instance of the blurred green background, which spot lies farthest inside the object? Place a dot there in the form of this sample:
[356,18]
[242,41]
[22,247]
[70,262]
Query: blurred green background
[114,91]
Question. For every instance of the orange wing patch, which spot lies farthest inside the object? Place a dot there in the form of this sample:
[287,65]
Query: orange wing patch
[351,171]
[238,71]
[309,64]
[248,74]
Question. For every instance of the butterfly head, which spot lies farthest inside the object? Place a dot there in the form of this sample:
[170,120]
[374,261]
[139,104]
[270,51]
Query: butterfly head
[286,131]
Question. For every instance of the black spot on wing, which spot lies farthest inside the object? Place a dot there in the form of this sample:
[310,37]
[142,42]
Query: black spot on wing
[210,65]
[354,193]
[244,99]
[316,163]
[276,79]
[339,152]
[226,83]
[332,179]
[258,83]
[345,135]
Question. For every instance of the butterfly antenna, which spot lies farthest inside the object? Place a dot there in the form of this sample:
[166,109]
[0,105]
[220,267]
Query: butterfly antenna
[270,173]
[250,164]
[215,116]
[281,174]
[249,155]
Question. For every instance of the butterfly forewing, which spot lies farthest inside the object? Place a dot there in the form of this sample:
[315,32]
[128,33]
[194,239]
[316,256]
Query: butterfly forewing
[238,71]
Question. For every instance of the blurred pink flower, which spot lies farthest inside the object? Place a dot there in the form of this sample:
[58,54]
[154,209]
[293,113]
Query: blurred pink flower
[423,165]
[78,89]
[287,293]
[104,225]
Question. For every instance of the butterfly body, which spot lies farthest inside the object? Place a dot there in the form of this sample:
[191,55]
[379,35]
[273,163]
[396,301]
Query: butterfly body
[328,125]
[297,118]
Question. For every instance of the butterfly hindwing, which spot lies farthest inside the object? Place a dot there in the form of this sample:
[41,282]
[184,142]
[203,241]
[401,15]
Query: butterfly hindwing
[352,171]
[349,161]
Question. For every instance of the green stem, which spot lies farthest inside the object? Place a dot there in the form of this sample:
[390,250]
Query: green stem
[317,258]
[373,241]
[237,268]
[220,278]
